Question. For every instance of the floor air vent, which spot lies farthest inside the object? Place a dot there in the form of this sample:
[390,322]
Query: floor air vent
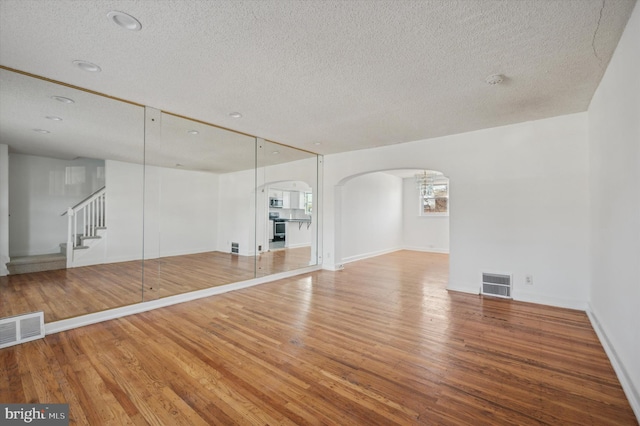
[498,285]
[235,248]
[21,329]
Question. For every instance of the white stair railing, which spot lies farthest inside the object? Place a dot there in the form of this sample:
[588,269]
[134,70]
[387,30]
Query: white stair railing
[83,221]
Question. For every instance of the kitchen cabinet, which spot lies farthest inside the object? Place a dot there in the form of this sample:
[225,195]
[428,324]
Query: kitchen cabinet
[275,193]
[296,200]
[290,199]
[286,199]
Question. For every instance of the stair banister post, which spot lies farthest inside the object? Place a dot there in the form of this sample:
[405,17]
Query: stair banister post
[70,226]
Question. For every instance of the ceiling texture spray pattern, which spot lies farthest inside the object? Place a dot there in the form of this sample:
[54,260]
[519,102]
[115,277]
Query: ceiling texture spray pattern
[348,74]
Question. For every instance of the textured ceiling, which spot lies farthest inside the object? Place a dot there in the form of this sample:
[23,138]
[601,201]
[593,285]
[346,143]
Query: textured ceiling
[347,74]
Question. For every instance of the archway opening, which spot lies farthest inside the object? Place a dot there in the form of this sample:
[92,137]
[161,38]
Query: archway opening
[383,211]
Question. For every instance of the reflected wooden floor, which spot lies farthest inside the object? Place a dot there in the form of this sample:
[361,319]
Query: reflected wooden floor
[381,342]
[71,292]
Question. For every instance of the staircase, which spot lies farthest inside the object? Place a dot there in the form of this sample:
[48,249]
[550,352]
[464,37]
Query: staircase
[87,216]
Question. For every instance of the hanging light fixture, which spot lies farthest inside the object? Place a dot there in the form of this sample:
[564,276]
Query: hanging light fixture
[425,181]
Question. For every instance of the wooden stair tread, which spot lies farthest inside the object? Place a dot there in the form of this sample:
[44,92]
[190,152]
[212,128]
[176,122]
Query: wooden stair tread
[40,258]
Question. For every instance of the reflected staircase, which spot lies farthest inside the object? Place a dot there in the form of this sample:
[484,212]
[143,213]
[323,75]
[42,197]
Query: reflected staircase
[86,225]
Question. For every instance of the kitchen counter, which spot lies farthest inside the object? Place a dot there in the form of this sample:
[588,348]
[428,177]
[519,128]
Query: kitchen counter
[299,235]
[299,221]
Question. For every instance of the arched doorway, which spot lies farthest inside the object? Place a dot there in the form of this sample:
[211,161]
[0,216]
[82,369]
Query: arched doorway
[387,210]
[286,226]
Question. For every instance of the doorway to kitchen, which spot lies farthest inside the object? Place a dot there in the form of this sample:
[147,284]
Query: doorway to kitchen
[290,206]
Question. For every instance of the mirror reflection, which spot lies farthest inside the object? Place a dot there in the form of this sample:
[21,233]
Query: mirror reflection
[199,206]
[70,218]
[104,203]
[286,222]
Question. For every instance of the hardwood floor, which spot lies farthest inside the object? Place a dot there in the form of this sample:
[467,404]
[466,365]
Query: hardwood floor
[71,292]
[381,342]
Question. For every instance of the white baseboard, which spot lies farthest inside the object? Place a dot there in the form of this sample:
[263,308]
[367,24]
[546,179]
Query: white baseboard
[334,267]
[368,255]
[78,263]
[427,249]
[292,246]
[186,252]
[83,320]
[524,297]
[119,259]
[464,288]
[633,394]
[579,305]
[340,266]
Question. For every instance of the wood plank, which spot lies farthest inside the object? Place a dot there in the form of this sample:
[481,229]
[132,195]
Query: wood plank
[382,342]
[67,293]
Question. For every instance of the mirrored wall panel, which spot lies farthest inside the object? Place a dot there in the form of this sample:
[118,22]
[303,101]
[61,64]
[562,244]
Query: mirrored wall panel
[105,203]
[71,186]
[286,219]
[199,206]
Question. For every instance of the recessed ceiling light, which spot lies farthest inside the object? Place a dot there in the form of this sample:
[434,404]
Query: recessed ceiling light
[53,118]
[124,20]
[235,115]
[317,143]
[276,152]
[41,131]
[87,66]
[63,99]
[494,79]
[193,132]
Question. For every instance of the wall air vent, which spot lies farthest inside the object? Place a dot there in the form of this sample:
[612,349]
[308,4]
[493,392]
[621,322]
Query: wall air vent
[498,285]
[235,248]
[21,329]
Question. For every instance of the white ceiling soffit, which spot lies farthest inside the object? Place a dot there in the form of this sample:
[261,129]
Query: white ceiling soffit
[347,74]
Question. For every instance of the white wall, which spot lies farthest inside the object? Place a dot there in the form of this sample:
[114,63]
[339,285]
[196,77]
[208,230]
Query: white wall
[237,212]
[422,233]
[4,209]
[180,211]
[125,196]
[521,203]
[188,211]
[614,140]
[371,216]
[39,191]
